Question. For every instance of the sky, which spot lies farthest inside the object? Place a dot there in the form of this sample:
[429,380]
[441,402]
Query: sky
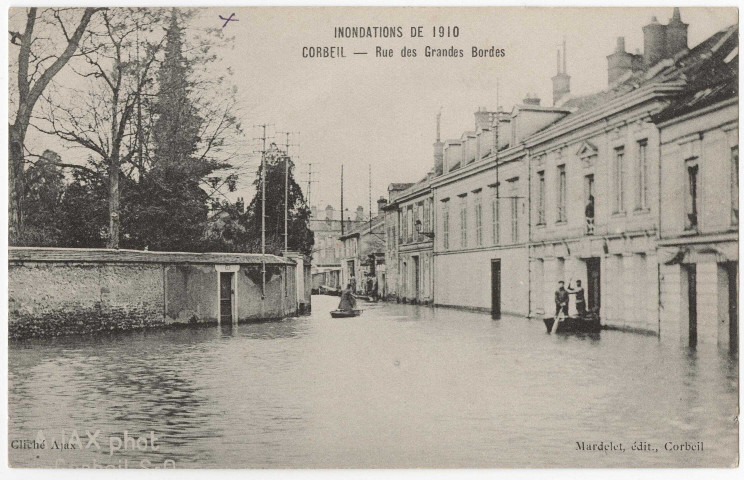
[363,111]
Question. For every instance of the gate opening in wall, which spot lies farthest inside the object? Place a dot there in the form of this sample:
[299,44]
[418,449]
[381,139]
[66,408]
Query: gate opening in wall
[227,298]
[593,284]
[496,289]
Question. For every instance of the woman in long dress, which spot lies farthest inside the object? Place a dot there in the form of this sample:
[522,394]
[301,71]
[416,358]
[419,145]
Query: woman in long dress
[348,302]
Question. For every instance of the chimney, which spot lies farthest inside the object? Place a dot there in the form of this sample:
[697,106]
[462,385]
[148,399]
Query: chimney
[619,62]
[438,148]
[482,119]
[329,212]
[561,81]
[654,42]
[676,34]
[531,99]
[502,133]
[359,214]
[381,202]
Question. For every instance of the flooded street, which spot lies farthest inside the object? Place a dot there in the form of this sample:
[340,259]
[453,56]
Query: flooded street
[400,386]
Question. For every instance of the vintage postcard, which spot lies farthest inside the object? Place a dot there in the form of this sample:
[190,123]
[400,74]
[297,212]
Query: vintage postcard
[326,237]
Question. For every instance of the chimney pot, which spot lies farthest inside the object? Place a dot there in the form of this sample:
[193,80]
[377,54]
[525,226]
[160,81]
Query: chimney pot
[620,44]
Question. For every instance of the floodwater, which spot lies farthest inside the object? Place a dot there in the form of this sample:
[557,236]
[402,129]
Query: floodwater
[400,386]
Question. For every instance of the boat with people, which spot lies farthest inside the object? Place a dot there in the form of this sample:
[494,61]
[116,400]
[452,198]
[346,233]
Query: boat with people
[347,305]
[588,323]
[345,313]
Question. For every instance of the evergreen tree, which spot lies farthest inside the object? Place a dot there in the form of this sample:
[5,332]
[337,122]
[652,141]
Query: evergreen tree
[167,209]
[42,200]
[300,238]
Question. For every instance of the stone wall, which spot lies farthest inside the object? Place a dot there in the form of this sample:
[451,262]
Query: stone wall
[55,292]
[51,299]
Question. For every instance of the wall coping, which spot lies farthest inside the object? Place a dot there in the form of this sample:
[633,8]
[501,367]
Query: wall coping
[104,255]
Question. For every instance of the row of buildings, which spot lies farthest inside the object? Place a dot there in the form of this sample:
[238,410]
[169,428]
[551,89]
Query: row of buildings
[632,190]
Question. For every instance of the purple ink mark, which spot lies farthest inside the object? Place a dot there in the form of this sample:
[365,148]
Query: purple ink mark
[228,19]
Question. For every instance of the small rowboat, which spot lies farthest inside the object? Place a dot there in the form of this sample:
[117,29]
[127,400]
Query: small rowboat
[345,313]
[587,324]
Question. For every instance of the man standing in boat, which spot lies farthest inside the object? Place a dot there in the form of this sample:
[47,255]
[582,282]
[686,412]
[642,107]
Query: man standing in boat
[561,300]
[348,302]
[580,301]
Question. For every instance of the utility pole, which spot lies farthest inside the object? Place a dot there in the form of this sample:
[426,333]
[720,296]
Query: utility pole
[286,192]
[310,181]
[370,199]
[263,209]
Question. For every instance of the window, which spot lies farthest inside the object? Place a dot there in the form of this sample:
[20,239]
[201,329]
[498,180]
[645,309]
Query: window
[409,224]
[735,185]
[561,193]
[445,225]
[589,203]
[427,215]
[541,197]
[619,178]
[495,216]
[420,218]
[403,225]
[642,188]
[464,222]
[478,219]
[692,200]
[588,189]
[514,209]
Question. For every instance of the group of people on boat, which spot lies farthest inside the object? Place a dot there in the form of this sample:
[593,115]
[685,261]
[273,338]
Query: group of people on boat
[562,296]
[348,301]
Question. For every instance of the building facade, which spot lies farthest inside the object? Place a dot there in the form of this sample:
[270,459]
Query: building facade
[699,221]
[480,244]
[364,256]
[328,248]
[633,191]
[409,233]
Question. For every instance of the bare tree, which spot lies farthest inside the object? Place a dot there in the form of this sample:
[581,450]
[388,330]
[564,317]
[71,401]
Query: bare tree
[36,69]
[99,116]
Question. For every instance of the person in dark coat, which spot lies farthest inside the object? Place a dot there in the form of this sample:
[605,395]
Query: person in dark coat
[580,300]
[561,299]
[348,302]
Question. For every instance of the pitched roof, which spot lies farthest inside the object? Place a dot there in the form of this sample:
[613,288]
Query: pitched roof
[711,74]
[701,67]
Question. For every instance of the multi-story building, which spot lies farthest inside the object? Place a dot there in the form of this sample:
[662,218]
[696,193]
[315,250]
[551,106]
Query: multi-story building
[392,232]
[632,190]
[699,204]
[595,179]
[480,247]
[364,255]
[328,249]
[409,233]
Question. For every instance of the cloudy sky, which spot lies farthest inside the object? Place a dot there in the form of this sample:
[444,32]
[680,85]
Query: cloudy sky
[362,110]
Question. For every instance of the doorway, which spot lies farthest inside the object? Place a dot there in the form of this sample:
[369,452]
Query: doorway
[227,294]
[496,288]
[691,284]
[732,275]
[593,284]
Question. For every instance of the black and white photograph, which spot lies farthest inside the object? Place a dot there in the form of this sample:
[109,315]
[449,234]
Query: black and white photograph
[356,237]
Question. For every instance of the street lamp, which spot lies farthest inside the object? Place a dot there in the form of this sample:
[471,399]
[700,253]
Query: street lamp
[419,227]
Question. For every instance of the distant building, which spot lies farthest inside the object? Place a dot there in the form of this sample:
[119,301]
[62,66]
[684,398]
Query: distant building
[408,232]
[364,255]
[328,249]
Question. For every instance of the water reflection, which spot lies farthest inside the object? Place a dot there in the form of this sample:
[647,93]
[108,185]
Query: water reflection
[399,386]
